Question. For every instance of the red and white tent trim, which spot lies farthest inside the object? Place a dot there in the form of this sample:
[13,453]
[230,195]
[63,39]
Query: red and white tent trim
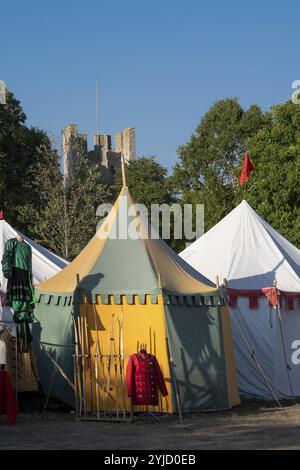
[274,295]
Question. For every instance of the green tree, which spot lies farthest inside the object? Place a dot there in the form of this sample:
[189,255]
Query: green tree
[273,188]
[147,181]
[67,220]
[23,151]
[84,194]
[206,170]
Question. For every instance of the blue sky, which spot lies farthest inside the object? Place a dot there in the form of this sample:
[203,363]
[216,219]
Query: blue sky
[160,64]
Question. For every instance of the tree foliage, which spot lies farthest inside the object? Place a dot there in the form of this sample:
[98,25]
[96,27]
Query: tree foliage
[273,189]
[206,170]
[32,192]
[67,221]
[149,184]
[17,154]
[63,218]
[147,181]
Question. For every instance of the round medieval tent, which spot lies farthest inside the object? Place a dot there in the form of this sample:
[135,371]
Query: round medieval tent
[125,291]
[262,270]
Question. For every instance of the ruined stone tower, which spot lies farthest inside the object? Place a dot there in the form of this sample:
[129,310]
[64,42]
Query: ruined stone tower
[109,159]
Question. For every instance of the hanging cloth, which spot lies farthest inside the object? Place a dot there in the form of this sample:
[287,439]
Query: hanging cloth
[8,257]
[8,402]
[17,265]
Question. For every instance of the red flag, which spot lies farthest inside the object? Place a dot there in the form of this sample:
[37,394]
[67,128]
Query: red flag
[246,170]
[1,215]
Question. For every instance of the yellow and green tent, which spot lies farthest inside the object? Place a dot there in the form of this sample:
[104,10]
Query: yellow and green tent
[127,274]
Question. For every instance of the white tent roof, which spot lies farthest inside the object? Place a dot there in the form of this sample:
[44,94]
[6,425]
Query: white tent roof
[44,263]
[247,251]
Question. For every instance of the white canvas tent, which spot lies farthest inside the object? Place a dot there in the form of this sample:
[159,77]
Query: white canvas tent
[44,263]
[251,255]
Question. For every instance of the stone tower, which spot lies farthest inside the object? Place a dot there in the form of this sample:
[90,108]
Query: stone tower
[108,159]
[71,142]
[125,144]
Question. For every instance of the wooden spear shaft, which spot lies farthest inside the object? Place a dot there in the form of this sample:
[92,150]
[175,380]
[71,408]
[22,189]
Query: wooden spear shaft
[96,363]
[113,338]
[88,352]
[122,364]
[77,366]
[83,363]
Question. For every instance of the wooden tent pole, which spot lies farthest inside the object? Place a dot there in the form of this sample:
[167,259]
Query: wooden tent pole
[123,172]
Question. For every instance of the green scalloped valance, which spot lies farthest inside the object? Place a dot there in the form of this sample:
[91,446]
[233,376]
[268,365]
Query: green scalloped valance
[106,298]
[193,300]
[67,300]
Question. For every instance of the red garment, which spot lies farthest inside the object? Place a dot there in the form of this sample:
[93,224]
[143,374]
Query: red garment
[144,378]
[8,402]
[246,170]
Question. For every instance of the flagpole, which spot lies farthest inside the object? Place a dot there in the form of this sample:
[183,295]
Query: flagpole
[97,110]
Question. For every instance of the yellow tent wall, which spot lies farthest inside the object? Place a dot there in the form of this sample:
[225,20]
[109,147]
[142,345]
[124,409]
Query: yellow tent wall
[143,327]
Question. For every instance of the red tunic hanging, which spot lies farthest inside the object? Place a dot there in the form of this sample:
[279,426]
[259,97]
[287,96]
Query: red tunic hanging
[144,378]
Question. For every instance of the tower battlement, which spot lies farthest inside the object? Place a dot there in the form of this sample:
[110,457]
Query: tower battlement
[108,158]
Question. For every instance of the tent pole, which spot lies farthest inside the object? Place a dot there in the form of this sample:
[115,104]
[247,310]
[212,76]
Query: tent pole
[288,367]
[123,172]
[253,355]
